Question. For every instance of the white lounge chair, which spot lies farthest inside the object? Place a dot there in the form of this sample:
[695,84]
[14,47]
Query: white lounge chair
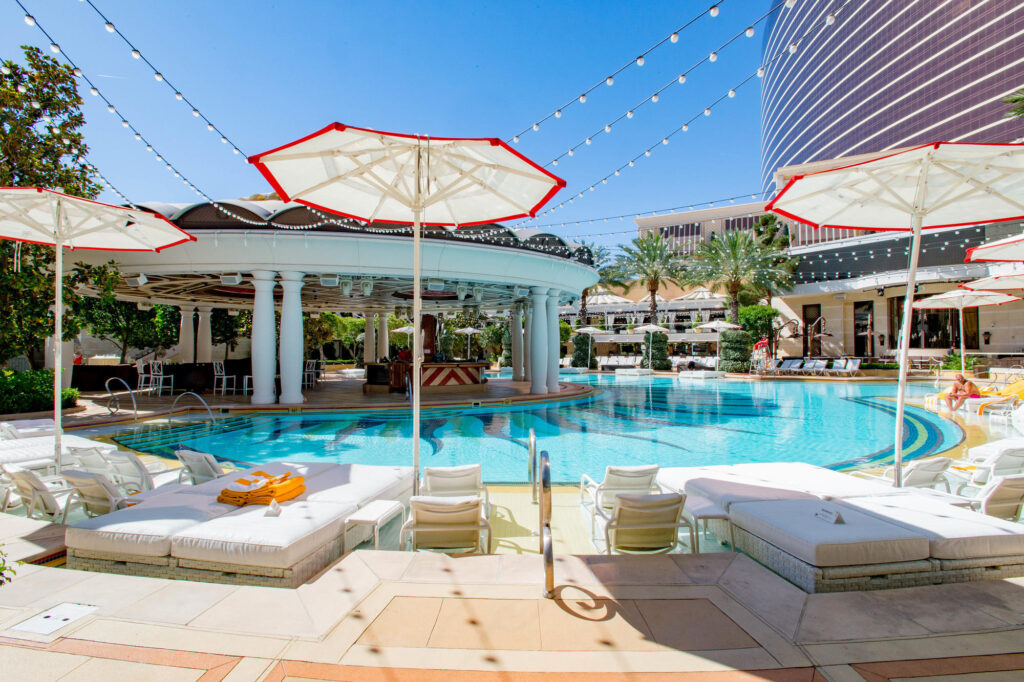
[457,481]
[27,428]
[1003,498]
[925,473]
[838,366]
[91,460]
[95,493]
[629,480]
[198,467]
[645,524]
[132,474]
[449,524]
[47,497]
[981,472]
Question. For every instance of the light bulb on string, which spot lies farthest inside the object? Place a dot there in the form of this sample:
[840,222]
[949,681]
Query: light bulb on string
[713,11]
[609,81]
[536,127]
[583,99]
[77,71]
[749,32]
[54,48]
[558,113]
[674,37]
[647,152]
[608,128]
[109,26]
[178,96]
[195,112]
[110,108]
[93,91]
[629,114]
[158,76]
[760,72]
[793,48]
[713,57]
[136,54]
[707,112]
[830,19]
[732,93]
[640,60]
[588,140]
[686,126]
[664,140]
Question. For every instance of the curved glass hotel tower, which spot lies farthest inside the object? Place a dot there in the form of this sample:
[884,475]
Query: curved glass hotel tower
[887,74]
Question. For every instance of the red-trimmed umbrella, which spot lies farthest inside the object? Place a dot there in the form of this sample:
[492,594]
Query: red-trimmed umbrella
[942,184]
[997,283]
[958,299]
[1010,249]
[408,179]
[44,216]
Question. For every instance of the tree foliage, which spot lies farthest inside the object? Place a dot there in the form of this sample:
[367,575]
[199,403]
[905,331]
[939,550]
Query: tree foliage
[759,321]
[734,350]
[602,261]
[230,329]
[40,146]
[656,350]
[584,347]
[738,259]
[1016,102]
[124,325]
[651,262]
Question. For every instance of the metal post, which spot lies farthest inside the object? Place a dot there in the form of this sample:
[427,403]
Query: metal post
[908,306]
[417,331]
[547,549]
[58,343]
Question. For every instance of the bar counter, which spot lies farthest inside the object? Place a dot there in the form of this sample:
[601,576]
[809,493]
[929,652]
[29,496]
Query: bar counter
[437,377]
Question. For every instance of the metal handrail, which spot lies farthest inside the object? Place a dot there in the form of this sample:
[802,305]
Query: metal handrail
[170,415]
[547,548]
[117,401]
[532,463]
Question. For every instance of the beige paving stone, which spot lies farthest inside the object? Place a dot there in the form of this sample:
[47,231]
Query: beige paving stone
[405,622]
[30,665]
[1000,676]
[487,624]
[249,669]
[259,610]
[184,638]
[593,625]
[840,673]
[105,670]
[853,616]
[930,607]
[636,570]
[777,601]
[778,645]
[39,587]
[109,592]
[178,602]
[386,565]
[438,567]
[335,592]
[704,568]
[934,646]
[521,568]
[692,625]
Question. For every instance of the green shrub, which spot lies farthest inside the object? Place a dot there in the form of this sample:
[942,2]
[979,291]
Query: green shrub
[31,391]
[7,571]
[952,361]
[658,344]
[880,365]
[579,351]
[506,350]
[734,350]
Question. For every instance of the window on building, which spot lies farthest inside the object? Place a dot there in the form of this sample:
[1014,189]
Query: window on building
[934,328]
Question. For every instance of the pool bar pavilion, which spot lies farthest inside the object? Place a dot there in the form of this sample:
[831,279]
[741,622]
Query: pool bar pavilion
[281,260]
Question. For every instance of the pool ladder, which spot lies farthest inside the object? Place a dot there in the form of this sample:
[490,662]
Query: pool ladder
[114,403]
[540,483]
[170,415]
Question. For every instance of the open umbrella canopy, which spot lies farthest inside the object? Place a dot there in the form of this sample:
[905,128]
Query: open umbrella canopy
[997,283]
[651,329]
[45,216]
[718,325]
[468,330]
[588,330]
[941,184]
[368,175]
[958,299]
[699,294]
[1010,249]
[408,329]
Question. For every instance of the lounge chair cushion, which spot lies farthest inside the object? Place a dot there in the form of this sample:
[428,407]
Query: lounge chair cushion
[358,484]
[952,532]
[248,536]
[145,529]
[994,448]
[791,525]
[42,447]
[725,493]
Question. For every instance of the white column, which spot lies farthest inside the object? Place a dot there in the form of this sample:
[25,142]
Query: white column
[554,341]
[527,339]
[264,348]
[292,338]
[204,337]
[369,341]
[539,343]
[516,331]
[382,335]
[187,335]
[67,354]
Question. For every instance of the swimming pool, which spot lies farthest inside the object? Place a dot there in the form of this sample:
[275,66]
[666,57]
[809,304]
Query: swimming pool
[634,420]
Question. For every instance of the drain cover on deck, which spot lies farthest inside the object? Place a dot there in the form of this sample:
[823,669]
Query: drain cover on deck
[50,621]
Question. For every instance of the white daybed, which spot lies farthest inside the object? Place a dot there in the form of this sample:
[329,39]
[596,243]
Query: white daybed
[187,534]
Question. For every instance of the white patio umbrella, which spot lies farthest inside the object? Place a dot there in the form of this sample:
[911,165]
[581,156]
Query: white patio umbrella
[718,325]
[410,179]
[958,299]
[468,332]
[589,331]
[650,329]
[408,329]
[44,216]
[942,184]
[996,283]
[1009,249]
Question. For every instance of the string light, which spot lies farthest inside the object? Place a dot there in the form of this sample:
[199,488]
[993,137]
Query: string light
[608,80]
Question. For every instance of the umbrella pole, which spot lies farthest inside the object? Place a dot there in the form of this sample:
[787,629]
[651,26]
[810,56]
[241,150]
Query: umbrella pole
[908,306]
[58,338]
[417,331]
[963,360]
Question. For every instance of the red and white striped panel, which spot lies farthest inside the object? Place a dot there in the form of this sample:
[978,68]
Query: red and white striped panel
[450,376]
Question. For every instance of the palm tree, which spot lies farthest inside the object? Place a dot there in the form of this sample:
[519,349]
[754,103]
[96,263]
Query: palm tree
[739,259]
[601,260]
[1016,100]
[649,261]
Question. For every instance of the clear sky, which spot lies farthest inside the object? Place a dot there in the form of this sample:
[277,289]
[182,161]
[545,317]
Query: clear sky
[269,72]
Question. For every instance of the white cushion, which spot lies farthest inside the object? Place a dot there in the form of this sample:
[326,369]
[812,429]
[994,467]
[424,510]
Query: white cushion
[42,447]
[307,470]
[144,529]
[249,537]
[987,450]
[863,539]
[725,493]
[358,484]
[28,428]
[952,532]
[675,478]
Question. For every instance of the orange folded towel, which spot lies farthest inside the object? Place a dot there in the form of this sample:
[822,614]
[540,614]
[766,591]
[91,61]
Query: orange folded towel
[280,488]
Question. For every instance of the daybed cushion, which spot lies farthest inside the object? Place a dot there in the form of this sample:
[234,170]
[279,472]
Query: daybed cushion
[247,536]
[308,470]
[359,484]
[953,533]
[144,529]
[862,539]
[725,493]
[675,478]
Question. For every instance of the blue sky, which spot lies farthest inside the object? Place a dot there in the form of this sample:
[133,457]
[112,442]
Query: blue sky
[268,72]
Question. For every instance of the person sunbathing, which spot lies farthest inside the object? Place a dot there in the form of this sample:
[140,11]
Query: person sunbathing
[961,391]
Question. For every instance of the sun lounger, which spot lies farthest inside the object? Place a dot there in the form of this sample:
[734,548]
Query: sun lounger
[644,524]
[451,524]
[27,428]
[41,448]
[790,365]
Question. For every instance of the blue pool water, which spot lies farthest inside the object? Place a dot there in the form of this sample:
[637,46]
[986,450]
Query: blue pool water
[635,420]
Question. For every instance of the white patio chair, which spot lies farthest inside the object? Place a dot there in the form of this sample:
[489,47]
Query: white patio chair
[645,524]
[838,366]
[157,378]
[219,377]
[27,428]
[1008,462]
[95,493]
[47,497]
[925,473]
[630,480]
[198,467]
[457,481]
[1003,498]
[309,374]
[447,524]
[91,460]
[131,474]
[144,376]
